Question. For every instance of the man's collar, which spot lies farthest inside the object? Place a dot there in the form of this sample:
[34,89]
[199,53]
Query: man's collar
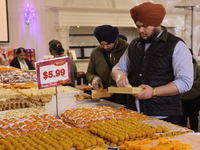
[162,35]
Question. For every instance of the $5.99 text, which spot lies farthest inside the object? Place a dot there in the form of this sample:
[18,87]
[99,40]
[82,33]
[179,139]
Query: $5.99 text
[50,74]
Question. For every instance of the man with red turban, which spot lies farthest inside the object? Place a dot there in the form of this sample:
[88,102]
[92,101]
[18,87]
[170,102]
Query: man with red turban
[104,57]
[157,61]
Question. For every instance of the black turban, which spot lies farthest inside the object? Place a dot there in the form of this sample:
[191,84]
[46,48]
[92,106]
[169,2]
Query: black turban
[106,33]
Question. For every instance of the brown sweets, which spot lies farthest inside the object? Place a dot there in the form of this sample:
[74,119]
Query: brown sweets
[14,103]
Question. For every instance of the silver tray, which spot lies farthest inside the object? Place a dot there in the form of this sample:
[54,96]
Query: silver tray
[101,102]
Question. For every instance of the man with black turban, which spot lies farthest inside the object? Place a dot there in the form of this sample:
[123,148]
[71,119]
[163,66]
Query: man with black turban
[104,57]
[157,61]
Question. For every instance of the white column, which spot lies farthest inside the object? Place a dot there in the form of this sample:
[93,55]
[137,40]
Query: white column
[63,35]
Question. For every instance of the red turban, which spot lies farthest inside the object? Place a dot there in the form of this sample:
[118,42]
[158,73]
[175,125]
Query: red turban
[148,13]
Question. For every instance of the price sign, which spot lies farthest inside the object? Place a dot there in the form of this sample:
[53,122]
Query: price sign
[53,72]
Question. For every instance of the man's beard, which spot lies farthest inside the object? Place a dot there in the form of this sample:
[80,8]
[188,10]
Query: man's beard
[151,38]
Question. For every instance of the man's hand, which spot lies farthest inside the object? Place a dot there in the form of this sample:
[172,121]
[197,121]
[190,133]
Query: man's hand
[96,82]
[146,93]
[120,78]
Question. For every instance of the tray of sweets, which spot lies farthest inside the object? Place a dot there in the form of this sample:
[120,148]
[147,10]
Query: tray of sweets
[14,103]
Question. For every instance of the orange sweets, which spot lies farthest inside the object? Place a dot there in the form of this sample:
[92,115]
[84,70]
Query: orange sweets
[14,133]
[106,120]
[87,119]
[9,129]
[93,118]
[50,128]
[101,121]
[79,125]
[77,121]
[22,133]
[21,123]
[28,122]
[163,144]
[38,131]
[91,122]
[57,128]
[59,123]
[45,125]
[53,124]
[109,115]
[14,126]
[86,124]
[117,116]
[24,128]
[98,113]
[39,126]
[5,125]
[32,127]
[46,119]
[4,131]
[8,135]
[29,132]
[63,126]
[44,130]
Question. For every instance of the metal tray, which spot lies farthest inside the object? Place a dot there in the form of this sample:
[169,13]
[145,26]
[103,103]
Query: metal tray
[102,103]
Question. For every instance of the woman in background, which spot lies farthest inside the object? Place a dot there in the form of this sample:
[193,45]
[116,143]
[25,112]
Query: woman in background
[21,61]
[56,49]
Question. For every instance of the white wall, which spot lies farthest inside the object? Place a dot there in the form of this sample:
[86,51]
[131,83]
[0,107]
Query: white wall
[31,36]
[42,29]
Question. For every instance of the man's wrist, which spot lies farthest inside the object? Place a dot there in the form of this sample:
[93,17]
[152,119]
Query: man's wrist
[154,95]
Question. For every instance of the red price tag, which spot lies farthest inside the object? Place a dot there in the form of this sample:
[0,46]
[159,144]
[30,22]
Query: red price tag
[53,72]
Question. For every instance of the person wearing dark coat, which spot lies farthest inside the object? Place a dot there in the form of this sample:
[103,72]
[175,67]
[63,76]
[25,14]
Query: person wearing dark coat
[21,61]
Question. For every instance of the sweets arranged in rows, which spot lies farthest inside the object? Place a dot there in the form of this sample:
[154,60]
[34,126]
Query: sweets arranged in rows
[29,124]
[54,140]
[42,96]
[31,93]
[21,113]
[15,86]
[14,103]
[11,76]
[161,144]
[105,126]
[121,120]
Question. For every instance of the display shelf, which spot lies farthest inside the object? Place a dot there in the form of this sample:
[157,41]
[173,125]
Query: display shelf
[82,49]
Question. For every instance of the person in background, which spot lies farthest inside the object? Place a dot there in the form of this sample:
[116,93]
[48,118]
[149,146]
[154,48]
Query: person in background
[104,57]
[157,61]
[122,37]
[20,61]
[191,100]
[56,49]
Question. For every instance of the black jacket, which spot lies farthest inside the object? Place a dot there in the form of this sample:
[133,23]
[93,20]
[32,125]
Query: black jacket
[154,68]
[15,63]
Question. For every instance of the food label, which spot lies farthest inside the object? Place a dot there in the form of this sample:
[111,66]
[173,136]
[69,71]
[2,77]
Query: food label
[53,72]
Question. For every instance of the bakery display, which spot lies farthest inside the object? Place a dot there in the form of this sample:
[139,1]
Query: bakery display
[11,76]
[8,93]
[97,123]
[21,113]
[14,103]
[161,144]
[15,86]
